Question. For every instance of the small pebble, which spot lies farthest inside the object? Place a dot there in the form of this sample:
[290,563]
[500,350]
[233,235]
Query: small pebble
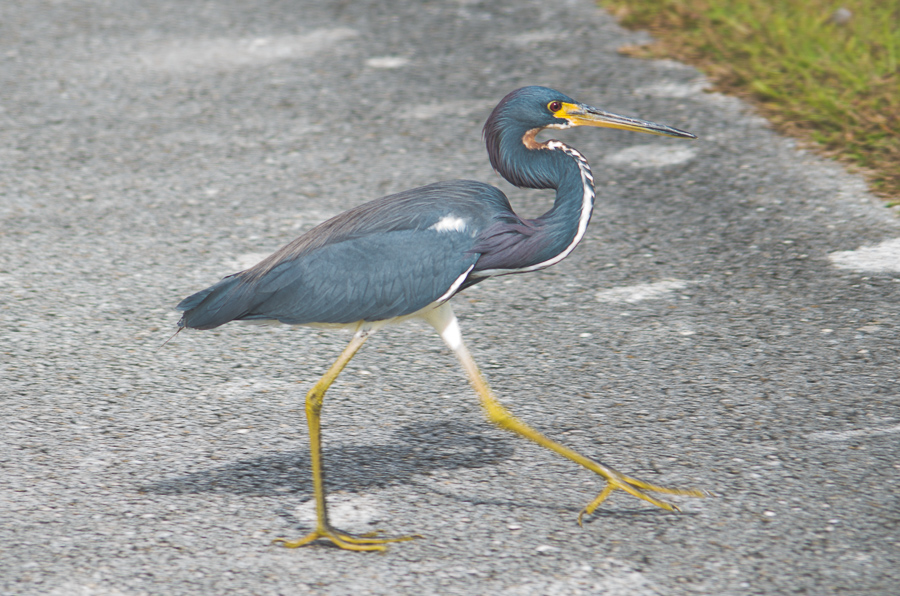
[841,16]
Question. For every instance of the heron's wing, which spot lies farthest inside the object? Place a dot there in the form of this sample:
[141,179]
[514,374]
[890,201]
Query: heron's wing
[384,259]
[372,278]
[468,201]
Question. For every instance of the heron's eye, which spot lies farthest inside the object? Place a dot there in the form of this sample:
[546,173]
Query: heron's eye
[554,106]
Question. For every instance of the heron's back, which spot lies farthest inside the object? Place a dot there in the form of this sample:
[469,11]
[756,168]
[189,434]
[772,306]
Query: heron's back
[384,259]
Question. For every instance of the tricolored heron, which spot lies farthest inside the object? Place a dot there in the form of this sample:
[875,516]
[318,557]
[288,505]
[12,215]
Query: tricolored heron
[404,256]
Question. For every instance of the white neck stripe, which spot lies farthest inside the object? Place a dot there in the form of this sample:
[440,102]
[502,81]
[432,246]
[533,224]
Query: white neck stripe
[587,206]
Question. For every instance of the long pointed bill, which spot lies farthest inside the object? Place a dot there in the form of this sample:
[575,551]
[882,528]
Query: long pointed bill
[583,115]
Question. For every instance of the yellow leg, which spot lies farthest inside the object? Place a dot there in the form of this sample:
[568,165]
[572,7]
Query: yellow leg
[313,416]
[444,321]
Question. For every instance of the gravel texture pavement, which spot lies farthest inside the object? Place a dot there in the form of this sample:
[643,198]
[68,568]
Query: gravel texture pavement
[729,322]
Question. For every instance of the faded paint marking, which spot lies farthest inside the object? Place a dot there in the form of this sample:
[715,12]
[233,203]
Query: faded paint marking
[884,257]
[651,156]
[846,435]
[188,54]
[640,292]
[350,512]
[452,108]
[672,89]
[387,62]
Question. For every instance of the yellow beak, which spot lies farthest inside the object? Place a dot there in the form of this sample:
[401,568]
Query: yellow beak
[584,115]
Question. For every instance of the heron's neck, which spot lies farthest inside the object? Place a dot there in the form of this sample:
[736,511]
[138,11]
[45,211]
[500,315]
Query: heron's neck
[574,186]
[553,165]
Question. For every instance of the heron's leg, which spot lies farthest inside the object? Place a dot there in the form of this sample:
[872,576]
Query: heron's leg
[444,321]
[313,416]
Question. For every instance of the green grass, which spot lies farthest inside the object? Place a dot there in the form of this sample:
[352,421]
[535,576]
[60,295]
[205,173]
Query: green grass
[836,86]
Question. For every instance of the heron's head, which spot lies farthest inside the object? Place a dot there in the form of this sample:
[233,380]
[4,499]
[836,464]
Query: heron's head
[510,132]
[529,110]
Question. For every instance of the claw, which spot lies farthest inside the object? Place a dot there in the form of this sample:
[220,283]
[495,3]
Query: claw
[636,488]
[363,542]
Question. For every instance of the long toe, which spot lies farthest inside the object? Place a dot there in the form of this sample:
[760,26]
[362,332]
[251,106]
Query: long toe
[364,542]
[639,489]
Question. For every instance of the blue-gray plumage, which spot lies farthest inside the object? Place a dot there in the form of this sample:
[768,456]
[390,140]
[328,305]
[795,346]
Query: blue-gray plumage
[392,257]
[384,259]
[407,254]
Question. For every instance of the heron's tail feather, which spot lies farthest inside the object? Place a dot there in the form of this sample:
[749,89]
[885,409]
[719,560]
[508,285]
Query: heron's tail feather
[214,306]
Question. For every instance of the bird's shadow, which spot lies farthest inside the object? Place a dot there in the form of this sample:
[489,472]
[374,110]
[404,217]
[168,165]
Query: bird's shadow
[418,449]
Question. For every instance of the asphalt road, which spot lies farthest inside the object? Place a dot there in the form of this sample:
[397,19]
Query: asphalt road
[729,322]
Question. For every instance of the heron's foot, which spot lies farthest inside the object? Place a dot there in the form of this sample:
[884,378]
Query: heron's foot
[639,489]
[364,542]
